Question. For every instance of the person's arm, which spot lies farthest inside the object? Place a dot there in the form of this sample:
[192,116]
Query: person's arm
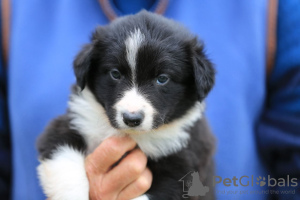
[279,128]
[5,151]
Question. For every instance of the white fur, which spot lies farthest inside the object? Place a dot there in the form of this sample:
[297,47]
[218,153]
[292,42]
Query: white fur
[133,43]
[63,176]
[143,197]
[90,120]
[132,101]
[169,138]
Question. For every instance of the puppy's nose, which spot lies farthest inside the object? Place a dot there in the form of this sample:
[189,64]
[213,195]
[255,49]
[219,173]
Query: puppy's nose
[133,119]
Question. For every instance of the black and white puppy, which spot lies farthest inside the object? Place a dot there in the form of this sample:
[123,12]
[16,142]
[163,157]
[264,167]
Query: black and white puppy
[143,76]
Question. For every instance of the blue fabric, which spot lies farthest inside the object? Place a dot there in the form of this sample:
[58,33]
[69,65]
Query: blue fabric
[279,128]
[285,79]
[133,6]
[46,35]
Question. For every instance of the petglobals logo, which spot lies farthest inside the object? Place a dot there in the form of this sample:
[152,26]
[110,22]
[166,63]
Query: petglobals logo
[246,181]
[193,187]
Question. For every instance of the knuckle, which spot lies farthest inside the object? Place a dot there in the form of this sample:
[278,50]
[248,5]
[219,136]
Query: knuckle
[143,184]
[112,148]
[141,156]
[136,167]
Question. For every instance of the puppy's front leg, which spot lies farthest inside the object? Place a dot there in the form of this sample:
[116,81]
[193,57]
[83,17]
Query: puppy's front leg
[63,175]
[62,154]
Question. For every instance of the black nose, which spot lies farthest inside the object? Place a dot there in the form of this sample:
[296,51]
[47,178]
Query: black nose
[133,119]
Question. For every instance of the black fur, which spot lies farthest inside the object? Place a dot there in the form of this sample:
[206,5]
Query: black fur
[59,134]
[168,49]
[196,157]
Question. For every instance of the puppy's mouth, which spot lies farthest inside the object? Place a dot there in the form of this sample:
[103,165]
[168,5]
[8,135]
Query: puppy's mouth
[134,131]
[141,129]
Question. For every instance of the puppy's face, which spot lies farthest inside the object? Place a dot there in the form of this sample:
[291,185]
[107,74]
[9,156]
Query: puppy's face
[144,74]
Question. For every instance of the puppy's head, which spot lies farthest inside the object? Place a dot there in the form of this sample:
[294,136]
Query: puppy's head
[146,71]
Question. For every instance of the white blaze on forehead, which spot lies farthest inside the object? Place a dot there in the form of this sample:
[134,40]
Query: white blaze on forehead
[133,43]
[133,101]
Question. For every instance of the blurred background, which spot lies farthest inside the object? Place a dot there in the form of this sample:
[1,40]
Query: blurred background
[253,110]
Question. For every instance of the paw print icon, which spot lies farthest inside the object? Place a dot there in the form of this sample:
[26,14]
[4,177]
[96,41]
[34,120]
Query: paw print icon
[261,181]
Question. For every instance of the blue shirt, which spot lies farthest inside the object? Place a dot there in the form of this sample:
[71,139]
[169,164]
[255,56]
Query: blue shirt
[46,36]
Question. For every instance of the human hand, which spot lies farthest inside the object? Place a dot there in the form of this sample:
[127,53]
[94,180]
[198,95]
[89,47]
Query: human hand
[127,180]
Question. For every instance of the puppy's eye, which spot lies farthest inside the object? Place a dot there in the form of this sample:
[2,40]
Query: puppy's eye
[115,74]
[162,79]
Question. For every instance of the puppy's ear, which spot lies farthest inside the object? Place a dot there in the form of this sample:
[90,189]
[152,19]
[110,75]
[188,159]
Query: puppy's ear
[82,65]
[204,72]
[83,61]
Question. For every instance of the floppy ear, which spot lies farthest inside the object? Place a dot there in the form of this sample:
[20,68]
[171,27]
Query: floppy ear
[204,71]
[83,61]
[82,65]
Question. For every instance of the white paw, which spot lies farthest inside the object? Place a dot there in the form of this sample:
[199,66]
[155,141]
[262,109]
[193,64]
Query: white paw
[63,176]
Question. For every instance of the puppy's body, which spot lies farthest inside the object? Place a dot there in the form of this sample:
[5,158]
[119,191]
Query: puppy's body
[143,76]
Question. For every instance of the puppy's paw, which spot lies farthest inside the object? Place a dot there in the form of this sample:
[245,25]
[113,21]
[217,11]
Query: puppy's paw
[63,176]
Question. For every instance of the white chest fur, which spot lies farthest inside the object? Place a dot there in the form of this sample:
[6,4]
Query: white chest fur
[90,119]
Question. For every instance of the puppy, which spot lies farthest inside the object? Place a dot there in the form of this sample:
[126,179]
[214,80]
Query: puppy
[146,77]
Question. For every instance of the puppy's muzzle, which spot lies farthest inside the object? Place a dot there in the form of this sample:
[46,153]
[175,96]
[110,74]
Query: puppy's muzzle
[133,119]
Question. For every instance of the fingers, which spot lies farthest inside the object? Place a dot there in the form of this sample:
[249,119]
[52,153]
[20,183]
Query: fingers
[138,187]
[128,179]
[128,170]
[108,153]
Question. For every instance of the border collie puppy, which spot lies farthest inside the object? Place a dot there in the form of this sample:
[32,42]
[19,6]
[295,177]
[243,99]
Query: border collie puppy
[146,77]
